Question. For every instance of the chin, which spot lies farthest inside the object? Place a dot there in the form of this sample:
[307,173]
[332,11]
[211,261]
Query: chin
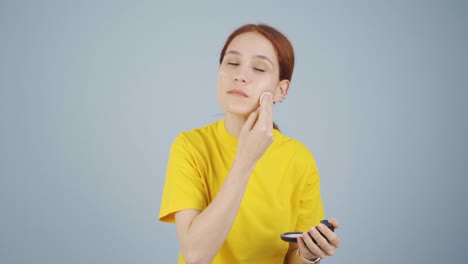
[238,109]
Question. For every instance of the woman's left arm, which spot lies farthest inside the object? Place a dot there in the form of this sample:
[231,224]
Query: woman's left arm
[308,250]
[292,257]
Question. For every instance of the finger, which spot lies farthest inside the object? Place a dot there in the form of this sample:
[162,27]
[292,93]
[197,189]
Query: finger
[305,252]
[250,122]
[322,242]
[314,248]
[266,115]
[330,236]
[302,244]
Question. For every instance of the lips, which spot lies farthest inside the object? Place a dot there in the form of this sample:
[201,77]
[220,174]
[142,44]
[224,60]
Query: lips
[237,92]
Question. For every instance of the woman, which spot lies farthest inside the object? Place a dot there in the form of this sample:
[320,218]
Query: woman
[232,187]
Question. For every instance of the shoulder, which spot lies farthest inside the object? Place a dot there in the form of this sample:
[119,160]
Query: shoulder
[294,148]
[196,135]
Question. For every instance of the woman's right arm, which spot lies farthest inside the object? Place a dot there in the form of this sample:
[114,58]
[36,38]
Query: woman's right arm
[201,234]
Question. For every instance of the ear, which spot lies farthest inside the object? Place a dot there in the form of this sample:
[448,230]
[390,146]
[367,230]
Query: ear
[281,91]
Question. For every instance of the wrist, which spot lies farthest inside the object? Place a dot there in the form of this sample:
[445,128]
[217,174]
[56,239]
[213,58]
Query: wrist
[245,167]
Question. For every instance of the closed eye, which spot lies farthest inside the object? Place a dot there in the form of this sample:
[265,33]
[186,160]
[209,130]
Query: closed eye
[260,70]
[232,63]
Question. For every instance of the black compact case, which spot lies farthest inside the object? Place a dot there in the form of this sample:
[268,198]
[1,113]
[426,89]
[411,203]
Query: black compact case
[292,236]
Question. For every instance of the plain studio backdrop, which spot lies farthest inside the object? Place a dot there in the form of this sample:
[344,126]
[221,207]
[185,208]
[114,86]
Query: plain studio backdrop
[93,93]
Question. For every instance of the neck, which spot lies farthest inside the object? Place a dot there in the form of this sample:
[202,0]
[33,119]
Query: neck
[233,123]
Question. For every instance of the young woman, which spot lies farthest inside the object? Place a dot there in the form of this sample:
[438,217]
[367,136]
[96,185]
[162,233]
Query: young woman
[234,186]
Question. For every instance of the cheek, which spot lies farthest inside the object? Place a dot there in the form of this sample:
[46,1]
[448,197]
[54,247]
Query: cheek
[221,85]
[266,85]
[223,77]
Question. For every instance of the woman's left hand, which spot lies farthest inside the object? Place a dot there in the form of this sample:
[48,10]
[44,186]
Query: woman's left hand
[326,246]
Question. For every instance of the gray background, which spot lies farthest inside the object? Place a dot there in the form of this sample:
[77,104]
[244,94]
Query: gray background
[93,93]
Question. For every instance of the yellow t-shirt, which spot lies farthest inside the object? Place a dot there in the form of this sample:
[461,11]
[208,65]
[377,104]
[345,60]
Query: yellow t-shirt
[283,193]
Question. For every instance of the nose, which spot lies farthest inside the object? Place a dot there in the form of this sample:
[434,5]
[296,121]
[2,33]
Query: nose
[240,76]
[239,79]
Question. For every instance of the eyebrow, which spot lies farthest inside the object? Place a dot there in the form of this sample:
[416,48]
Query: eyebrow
[263,57]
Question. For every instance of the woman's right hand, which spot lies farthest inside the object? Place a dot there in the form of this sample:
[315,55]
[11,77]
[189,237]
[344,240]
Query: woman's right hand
[256,134]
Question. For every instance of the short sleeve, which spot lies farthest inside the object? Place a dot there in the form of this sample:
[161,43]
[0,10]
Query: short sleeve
[310,200]
[183,186]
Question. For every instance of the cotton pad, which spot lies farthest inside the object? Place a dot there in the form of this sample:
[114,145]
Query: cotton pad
[261,96]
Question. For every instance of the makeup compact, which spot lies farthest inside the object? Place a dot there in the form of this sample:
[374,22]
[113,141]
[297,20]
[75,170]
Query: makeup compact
[292,236]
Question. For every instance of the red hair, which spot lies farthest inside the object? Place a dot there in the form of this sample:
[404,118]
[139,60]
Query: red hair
[283,48]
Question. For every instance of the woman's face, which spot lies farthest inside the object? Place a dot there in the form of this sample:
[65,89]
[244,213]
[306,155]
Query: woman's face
[249,68]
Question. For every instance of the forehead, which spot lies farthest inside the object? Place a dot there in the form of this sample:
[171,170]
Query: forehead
[252,44]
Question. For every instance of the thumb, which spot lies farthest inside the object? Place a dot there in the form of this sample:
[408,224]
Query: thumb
[335,223]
